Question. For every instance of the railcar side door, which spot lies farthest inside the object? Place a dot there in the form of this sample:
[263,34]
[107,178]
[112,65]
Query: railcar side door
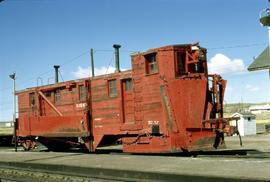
[127,100]
[84,101]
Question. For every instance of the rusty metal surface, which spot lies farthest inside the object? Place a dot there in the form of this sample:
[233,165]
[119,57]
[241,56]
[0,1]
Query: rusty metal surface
[187,99]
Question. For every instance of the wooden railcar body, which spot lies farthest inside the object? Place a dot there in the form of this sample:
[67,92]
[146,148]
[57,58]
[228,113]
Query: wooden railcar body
[166,103]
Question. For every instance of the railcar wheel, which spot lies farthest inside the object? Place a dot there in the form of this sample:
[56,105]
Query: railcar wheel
[28,144]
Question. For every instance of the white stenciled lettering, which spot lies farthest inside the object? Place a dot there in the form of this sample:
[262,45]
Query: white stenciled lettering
[153,122]
[81,105]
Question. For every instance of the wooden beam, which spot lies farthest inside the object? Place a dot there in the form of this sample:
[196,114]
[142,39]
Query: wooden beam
[50,103]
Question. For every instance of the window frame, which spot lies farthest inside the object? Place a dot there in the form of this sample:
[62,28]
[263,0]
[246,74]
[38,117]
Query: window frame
[151,60]
[128,85]
[112,88]
[32,99]
[82,93]
[180,63]
[57,96]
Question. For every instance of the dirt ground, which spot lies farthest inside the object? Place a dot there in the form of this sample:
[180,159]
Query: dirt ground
[260,142]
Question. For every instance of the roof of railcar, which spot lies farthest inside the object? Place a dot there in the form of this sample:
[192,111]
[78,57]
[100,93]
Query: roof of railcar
[167,47]
[122,75]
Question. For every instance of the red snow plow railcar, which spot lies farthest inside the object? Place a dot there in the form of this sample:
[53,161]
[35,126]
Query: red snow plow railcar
[166,103]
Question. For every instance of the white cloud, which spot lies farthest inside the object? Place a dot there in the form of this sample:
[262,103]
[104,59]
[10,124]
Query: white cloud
[229,88]
[221,64]
[86,72]
[252,88]
[81,72]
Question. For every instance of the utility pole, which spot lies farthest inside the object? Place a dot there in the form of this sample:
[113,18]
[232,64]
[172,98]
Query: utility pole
[13,77]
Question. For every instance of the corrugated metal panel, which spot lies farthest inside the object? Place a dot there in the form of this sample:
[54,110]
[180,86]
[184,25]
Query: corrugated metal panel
[262,62]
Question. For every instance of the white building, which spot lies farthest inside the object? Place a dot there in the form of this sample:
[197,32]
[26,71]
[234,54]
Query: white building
[4,124]
[258,109]
[246,124]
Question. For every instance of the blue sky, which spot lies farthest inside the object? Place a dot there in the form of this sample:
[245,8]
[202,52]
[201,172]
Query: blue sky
[36,34]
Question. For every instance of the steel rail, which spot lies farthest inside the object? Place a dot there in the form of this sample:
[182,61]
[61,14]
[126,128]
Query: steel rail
[25,175]
[25,172]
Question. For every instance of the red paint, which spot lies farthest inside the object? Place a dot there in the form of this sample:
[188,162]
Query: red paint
[170,107]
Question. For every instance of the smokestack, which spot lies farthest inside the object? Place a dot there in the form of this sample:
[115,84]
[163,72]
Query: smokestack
[92,62]
[116,51]
[56,67]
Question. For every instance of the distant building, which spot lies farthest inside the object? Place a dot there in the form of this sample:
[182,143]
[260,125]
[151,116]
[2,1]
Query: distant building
[258,109]
[4,124]
[246,124]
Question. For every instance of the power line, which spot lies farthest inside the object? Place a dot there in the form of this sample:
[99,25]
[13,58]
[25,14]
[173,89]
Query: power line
[74,58]
[61,75]
[109,65]
[62,64]
[48,71]
[110,50]
[237,46]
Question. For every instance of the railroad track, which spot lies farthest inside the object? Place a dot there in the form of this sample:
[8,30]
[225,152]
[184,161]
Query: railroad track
[28,174]
[39,168]
[243,153]
[229,153]
[18,174]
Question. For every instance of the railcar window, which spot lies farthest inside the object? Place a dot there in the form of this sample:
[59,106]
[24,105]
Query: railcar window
[32,99]
[180,63]
[128,85]
[202,55]
[57,96]
[82,93]
[74,90]
[112,88]
[48,95]
[151,63]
